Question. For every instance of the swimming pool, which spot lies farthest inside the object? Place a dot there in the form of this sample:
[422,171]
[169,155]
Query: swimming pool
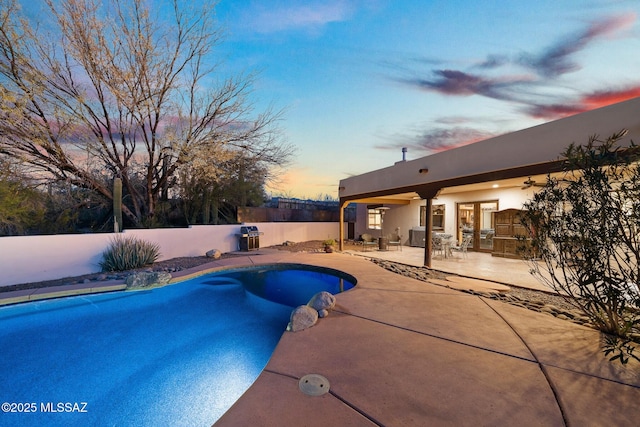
[177,355]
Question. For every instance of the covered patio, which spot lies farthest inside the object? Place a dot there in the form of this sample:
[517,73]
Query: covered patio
[497,169]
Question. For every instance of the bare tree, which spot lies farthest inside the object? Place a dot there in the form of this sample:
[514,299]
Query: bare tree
[110,89]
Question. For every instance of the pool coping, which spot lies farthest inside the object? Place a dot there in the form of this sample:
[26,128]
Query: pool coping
[38,294]
[96,287]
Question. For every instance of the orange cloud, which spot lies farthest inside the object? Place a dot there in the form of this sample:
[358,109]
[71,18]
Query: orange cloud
[585,103]
[604,98]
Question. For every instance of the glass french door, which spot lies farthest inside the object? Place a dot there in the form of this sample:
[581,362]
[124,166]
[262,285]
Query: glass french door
[475,219]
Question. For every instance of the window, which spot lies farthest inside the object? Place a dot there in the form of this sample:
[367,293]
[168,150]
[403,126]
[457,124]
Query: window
[437,216]
[374,219]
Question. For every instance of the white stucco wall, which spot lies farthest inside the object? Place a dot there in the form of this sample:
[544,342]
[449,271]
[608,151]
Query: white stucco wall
[404,217]
[361,221]
[396,216]
[36,258]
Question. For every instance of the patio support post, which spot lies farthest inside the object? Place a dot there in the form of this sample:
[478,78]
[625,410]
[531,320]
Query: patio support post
[428,242]
[341,225]
[428,194]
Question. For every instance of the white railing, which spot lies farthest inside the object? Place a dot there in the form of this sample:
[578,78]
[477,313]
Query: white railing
[35,258]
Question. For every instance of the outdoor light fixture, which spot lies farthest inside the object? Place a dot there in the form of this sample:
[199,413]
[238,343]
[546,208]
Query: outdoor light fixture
[424,171]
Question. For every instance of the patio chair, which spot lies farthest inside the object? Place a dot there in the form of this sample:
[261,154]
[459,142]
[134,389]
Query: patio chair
[395,240]
[368,241]
[466,240]
[436,245]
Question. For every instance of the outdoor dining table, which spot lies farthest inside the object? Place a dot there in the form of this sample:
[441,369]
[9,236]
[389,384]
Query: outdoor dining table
[447,242]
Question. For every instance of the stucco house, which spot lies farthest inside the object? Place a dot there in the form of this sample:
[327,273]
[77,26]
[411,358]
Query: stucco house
[471,189]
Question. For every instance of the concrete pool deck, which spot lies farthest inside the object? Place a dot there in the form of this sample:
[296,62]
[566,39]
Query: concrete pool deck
[401,352]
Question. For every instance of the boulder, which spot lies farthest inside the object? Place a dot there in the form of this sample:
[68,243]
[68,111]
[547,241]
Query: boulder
[302,317]
[147,280]
[322,301]
[214,253]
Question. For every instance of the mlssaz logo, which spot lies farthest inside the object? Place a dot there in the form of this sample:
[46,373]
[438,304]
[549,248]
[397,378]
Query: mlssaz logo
[63,407]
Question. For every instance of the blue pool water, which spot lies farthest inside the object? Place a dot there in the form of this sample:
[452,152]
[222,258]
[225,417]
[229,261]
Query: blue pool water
[177,355]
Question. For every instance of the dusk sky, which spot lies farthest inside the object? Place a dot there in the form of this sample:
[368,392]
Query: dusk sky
[361,79]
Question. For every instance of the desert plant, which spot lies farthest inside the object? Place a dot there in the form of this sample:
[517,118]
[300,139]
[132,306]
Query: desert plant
[328,245]
[126,253]
[584,236]
[117,205]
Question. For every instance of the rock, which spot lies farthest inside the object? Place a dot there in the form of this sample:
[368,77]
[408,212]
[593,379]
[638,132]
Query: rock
[147,280]
[548,309]
[214,253]
[302,317]
[322,301]
[323,313]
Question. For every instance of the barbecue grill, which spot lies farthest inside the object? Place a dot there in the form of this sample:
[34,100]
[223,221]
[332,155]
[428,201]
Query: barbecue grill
[249,238]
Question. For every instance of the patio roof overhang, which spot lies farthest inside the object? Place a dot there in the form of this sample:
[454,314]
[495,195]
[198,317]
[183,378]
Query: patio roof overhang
[529,152]
[504,178]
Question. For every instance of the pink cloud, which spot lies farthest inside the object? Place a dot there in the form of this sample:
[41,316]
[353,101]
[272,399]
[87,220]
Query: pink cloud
[557,59]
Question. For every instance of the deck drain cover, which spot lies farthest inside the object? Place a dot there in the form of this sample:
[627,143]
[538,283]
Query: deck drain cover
[314,385]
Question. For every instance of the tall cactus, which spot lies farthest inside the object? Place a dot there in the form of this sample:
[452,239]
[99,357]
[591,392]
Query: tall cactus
[117,205]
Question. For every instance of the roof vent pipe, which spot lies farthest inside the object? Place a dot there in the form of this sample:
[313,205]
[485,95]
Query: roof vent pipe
[404,154]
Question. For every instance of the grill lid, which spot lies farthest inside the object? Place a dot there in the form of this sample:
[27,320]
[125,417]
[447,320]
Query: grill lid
[249,229]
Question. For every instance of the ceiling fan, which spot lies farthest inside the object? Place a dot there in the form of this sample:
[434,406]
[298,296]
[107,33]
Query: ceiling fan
[531,183]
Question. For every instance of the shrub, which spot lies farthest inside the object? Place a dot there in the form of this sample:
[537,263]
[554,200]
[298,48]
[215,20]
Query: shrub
[126,253]
[584,228]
